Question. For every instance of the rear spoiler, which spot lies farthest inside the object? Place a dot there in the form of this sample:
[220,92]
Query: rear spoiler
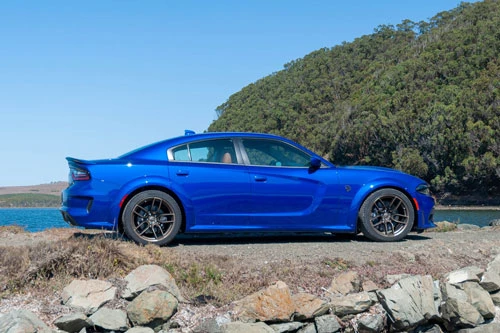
[72,160]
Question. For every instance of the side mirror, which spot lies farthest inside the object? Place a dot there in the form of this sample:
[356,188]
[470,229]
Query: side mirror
[315,163]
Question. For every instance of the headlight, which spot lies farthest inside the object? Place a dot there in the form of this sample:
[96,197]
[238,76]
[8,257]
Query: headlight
[423,189]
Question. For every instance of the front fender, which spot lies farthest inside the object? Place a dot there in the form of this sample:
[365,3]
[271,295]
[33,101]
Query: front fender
[365,191]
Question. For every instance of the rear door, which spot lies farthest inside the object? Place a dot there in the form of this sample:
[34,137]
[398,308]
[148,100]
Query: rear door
[215,187]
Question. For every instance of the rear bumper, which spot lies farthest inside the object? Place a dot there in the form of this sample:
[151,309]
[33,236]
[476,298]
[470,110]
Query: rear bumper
[86,211]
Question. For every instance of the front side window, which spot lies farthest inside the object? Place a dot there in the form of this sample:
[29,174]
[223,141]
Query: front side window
[210,151]
[275,153]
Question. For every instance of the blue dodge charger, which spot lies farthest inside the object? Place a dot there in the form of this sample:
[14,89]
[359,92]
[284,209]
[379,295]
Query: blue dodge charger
[240,182]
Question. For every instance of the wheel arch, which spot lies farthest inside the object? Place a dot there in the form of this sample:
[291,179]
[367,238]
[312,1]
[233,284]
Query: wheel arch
[374,189]
[138,190]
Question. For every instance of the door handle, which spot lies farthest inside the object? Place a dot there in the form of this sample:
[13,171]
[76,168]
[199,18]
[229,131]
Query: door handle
[260,178]
[182,172]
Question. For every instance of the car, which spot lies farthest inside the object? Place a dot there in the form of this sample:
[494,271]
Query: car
[238,183]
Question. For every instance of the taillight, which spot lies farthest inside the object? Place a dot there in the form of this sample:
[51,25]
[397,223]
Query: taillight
[79,174]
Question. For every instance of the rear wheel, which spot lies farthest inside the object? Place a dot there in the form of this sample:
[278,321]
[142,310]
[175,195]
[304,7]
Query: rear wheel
[386,215]
[152,217]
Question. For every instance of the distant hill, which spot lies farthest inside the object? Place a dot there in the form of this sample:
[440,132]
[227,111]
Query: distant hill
[419,96]
[44,195]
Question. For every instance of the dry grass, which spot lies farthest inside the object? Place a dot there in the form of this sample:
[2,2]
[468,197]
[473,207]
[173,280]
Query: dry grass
[45,267]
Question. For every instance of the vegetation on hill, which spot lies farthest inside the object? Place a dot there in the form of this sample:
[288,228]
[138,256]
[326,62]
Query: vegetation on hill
[422,97]
[29,200]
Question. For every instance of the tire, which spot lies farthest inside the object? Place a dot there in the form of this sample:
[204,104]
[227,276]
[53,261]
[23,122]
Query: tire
[152,217]
[387,215]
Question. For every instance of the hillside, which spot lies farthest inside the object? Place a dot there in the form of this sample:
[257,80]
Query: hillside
[419,96]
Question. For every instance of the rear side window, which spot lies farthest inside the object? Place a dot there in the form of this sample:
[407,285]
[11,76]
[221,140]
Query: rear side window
[210,151]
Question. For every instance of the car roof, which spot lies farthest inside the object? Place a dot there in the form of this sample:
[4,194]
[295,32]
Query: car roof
[202,136]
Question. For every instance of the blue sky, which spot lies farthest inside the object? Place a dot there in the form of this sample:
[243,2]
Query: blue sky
[95,79]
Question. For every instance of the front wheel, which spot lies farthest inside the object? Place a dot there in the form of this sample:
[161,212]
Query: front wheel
[386,215]
[152,217]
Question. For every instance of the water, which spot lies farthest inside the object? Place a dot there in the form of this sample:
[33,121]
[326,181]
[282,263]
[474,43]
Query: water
[33,219]
[38,219]
[481,218]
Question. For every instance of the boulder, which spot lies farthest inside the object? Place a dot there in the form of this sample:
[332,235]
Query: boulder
[471,273]
[410,302]
[309,328]
[456,311]
[369,285]
[345,283]
[370,323]
[211,324]
[351,304]
[109,319]
[393,278]
[490,280]
[72,323]
[238,327]
[466,226]
[487,328]
[273,304]
[494,223]
[327,323]
[480,299]
[22,321]
[152,308]
[139,329]
[146,276]
[495,297]
[88,295]
[287,327]
[308,306]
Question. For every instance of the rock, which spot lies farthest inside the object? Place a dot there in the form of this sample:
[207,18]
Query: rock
[211,324]
[393,278]
[72,323]
[471,273]
[308,306]
[445,226]
[480,299]
[88,295]
[345,283]
[152,308]
[109,319]
[371,323]
[22,321]
[287,327]
[495,297]
[459,314]
[139,329]
[327,323]
[146,276]
[488,328]
[273,304]
[310,328]
[494,223]
[490,280]
[369,285]
[409,302]
[466,226]
[238,327]
[351,304]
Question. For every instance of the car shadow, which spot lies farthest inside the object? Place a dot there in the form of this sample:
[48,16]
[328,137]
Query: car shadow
[250,238]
